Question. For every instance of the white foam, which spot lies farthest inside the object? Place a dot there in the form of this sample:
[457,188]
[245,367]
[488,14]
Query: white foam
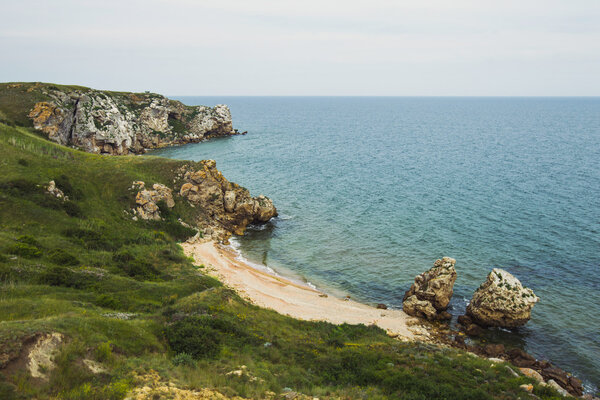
[285,217]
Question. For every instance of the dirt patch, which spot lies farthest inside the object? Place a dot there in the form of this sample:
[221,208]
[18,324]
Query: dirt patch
[41,356]
[151,387]
[13,354]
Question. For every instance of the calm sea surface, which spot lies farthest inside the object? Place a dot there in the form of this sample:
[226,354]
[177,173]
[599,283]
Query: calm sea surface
[371,191]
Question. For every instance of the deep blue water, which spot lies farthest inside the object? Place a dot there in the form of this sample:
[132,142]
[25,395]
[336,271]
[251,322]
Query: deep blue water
[371,191]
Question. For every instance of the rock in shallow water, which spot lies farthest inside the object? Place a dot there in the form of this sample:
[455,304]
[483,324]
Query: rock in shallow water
[501,301]
[430,294]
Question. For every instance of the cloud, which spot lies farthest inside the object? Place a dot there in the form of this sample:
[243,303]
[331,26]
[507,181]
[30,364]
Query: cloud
[323,46]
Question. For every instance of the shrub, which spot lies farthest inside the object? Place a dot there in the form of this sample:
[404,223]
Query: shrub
[103,352]
[72,209]
[61,257]
[23,162]
[24,250]
[57,276]
[63,183]
[172,255]
[165,211]
[20,186]
[200,337]
[140,269]
[123,256]
[28,239]
[108,301]
[173,228]
[90,239]
[8,391]
[184,359]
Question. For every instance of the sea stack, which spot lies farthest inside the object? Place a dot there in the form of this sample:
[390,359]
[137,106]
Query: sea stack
[501,301]
[430,294]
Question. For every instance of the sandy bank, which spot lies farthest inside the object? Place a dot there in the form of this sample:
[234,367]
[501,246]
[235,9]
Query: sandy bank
[295,300]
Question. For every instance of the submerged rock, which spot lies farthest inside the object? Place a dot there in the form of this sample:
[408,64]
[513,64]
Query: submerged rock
[501,301]
[430,294]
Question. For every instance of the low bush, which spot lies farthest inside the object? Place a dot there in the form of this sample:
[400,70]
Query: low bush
[72,209]
[61,257]
[63,276]
[103,352]
[184,359]
[20,186]
[108,301]
[57,276]
[172,255]
[24,250]
[90,239]
[173,228]
[28,239]
[140,269]
[202,336]
[64,184]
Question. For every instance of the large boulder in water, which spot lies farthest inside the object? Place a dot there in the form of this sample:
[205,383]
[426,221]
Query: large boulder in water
[430,294]
[501,301]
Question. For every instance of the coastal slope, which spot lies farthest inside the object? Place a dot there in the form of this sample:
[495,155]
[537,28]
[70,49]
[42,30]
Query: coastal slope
[98,305]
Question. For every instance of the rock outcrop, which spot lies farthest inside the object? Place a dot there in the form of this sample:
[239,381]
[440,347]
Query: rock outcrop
[41,356]
[501,301]
[55,191]
[430,294]
[228,207]
[147,200]
[121,123]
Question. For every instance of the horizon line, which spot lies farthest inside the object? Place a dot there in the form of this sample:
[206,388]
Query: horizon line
[389,96]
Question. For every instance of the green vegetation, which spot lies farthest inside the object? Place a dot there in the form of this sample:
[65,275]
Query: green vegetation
[123,295]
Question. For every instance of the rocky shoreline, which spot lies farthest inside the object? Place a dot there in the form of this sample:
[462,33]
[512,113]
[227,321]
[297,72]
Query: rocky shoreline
[500,301]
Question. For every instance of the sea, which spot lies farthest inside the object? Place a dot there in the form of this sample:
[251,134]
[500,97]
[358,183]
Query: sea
[372,190]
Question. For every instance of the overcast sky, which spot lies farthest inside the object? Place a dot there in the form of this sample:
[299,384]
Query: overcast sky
[306,47]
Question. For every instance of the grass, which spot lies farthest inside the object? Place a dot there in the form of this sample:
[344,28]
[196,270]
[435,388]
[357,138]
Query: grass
[76,272]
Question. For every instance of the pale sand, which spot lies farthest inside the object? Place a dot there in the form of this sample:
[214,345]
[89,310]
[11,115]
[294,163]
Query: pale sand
[295,300]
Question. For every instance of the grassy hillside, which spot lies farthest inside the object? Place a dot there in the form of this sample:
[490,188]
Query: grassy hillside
[124,296]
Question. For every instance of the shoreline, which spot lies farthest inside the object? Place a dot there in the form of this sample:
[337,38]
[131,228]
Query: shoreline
[294,299]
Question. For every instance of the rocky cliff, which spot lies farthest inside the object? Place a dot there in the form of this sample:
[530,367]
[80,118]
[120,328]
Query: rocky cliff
[222,207]
[112,122]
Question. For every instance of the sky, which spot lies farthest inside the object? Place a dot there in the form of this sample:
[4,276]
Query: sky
[307,47]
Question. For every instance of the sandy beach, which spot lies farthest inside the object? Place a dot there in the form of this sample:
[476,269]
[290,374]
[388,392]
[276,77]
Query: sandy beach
[293,299]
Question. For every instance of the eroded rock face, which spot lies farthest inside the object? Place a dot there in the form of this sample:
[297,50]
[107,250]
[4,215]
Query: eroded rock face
[230,207]
[501,301]
[430,294]
[121,123]
[41,356]
[147,200]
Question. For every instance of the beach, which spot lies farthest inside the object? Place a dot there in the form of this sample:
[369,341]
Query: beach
[294,299]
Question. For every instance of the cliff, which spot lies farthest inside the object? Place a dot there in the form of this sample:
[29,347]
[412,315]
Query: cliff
[108,122]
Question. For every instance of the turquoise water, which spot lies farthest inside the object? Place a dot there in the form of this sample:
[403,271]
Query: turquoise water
[372,190]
